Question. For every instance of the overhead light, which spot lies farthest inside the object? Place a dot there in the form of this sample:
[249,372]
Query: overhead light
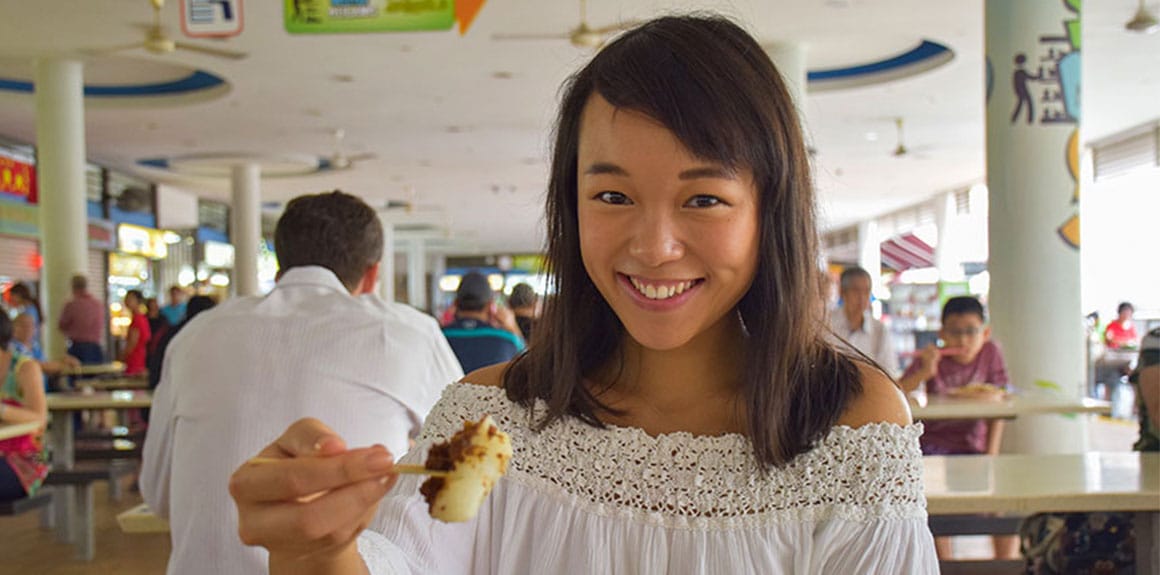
[1144,21]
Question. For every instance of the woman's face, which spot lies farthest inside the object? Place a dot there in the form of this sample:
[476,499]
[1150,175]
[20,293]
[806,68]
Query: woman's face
[669,239]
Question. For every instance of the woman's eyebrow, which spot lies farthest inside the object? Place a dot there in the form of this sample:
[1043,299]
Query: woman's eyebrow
[716,172]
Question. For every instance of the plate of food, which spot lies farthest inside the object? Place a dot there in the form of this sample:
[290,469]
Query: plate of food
[978,390]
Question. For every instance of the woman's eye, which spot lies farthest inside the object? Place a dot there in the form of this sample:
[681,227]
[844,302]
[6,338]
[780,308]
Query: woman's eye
[615,198]
[704,201]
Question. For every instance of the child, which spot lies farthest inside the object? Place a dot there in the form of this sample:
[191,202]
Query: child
[976,359]
[969,356]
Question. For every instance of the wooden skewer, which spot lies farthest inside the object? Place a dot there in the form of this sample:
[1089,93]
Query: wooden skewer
[403,469]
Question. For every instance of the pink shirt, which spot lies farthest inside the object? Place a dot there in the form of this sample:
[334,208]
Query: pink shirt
[961,436]
[83,319]
[135,358]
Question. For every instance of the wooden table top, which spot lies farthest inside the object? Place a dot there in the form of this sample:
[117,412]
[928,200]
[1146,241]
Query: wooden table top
[111,368]
[1025,484]
[118,399]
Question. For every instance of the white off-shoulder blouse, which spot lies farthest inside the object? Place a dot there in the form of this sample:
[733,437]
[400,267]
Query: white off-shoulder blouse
[577,499]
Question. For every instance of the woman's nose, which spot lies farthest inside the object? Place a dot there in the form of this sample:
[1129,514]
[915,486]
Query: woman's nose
[656,241]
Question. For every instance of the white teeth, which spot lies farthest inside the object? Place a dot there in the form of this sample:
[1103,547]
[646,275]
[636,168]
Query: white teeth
[660,292]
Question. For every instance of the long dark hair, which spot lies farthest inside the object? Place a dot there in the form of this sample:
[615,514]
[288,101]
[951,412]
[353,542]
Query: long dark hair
[713,86]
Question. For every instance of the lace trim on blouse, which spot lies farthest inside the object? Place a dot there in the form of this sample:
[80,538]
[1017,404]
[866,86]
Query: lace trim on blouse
[679,480]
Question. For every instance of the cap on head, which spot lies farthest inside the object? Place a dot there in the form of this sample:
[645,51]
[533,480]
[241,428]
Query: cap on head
[474,292]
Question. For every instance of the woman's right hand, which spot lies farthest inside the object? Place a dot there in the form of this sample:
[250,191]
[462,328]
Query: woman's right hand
[308,497]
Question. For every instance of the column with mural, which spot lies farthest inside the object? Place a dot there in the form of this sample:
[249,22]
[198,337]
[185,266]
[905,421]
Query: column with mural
[1033,114]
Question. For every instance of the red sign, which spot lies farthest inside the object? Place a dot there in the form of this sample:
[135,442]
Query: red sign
[18,179]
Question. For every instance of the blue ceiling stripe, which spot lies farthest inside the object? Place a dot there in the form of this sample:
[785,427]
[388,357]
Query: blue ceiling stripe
[925,51]
[197,81]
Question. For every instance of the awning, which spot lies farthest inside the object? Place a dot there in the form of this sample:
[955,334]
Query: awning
[904,252]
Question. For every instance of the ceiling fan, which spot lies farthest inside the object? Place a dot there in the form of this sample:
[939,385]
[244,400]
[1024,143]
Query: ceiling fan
[900,149]
[582,36]
[1144,21]
[157,41]
[339,160]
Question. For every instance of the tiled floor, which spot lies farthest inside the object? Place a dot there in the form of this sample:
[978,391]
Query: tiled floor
[26,549]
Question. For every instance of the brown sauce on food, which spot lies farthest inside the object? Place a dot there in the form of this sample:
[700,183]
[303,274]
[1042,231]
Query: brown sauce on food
[442,457]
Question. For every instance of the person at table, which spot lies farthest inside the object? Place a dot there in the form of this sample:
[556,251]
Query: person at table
[138,335]
[1121,332]
[320,343]
[24,343]
[82,321]
[691,415]
[524,303]
[854,324]
[22,462]
[970,357]
[1146,379]
[482,333]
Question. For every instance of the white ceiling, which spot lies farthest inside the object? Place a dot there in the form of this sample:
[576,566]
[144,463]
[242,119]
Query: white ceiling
[472,147]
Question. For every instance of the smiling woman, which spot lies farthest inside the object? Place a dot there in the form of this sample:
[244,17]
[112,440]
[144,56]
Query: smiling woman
[679,409]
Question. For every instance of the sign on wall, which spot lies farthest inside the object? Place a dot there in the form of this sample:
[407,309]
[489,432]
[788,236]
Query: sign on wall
[336,16]
[211,18]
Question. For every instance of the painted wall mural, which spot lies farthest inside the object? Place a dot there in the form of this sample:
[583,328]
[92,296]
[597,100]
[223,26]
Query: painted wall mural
[1047,91]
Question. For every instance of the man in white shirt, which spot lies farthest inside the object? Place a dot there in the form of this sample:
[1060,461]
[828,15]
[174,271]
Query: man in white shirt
[853,322]
[320,344]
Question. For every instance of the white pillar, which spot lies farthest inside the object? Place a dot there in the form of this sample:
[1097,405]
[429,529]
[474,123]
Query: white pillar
[1032,49]
[417,274]
[946,254]
[790,59]
[60,166]
[438,266]
[870,259]
[246,226]
[387,264]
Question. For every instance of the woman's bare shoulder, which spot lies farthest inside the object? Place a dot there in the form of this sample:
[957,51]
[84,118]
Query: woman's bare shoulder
[491,376]
[881,401]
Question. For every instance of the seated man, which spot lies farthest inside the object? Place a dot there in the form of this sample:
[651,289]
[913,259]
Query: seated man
[476,342]
[854,324]
[320,344]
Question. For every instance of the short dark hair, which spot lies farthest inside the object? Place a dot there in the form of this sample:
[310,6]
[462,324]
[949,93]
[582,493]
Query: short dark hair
[850,273]
[713,86]
[523,295]
[1125,306]
[963,305]
[80,282]
[137,294]
[335,230]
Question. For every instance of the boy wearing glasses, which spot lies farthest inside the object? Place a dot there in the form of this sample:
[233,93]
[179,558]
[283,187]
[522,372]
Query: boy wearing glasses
[969,365]
[968,359]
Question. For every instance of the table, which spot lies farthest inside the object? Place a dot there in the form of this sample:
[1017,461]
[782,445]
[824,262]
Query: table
[106,384]
[942,407]
[61,435]
[10,430]
[1021,485]
[141,520]
[112,368]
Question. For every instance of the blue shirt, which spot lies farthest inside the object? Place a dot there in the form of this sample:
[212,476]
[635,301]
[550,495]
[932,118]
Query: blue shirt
[477,344]
[174,313]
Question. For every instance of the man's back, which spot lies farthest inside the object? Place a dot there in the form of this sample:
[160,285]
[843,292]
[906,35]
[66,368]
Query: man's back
[478,344]
[238,375]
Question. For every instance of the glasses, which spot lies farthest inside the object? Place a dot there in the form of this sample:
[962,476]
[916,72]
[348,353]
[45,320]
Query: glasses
[965,332]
